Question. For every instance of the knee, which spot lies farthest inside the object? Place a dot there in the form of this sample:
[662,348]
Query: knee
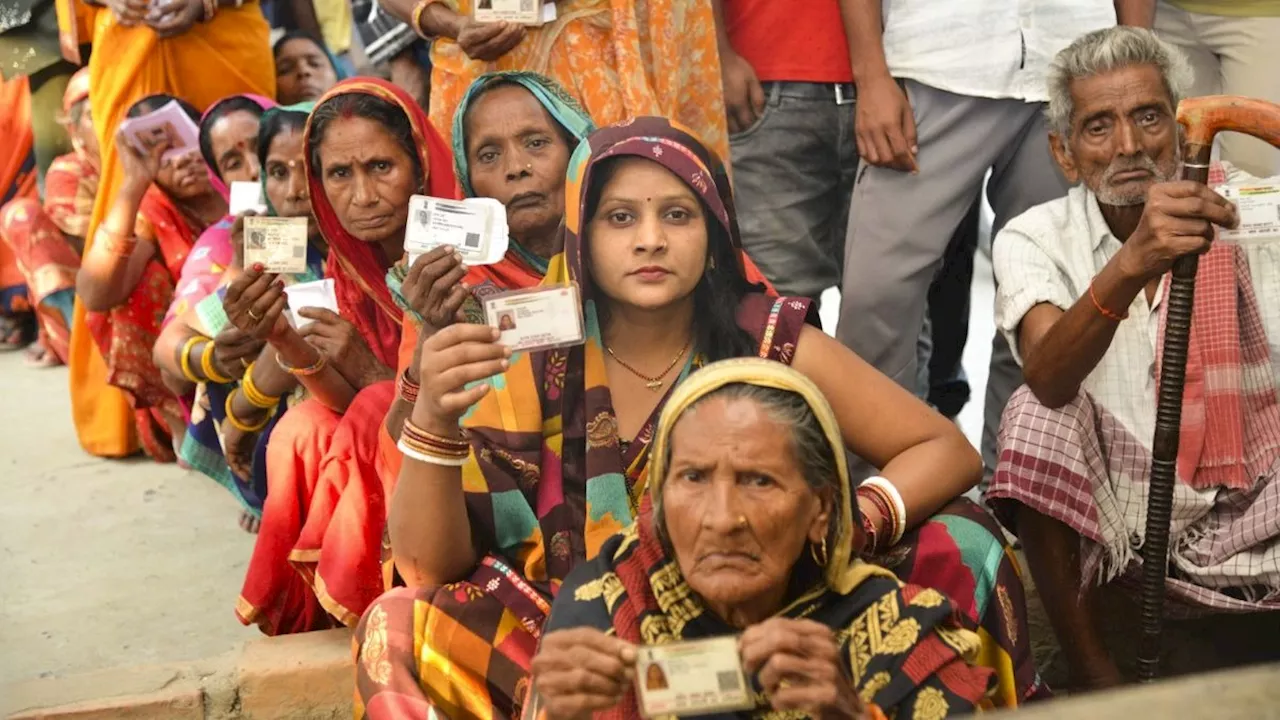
[306,427]
[394,608]
[19,213]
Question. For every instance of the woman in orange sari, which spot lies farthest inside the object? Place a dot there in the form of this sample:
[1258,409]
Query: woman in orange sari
[17,180]
[171,51]
[369,148]
[127,278]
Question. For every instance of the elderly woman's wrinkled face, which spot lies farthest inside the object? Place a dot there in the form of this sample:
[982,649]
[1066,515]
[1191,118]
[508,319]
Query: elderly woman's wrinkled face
[185,176]
[517,154]
[303,72]
[739,512]
[286,185]
[233,139]
[368,177]
[647,239]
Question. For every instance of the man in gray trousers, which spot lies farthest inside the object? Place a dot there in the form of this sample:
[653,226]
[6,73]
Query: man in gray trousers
[947,92]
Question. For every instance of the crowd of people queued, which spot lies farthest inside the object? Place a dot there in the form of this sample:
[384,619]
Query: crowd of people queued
[504,531]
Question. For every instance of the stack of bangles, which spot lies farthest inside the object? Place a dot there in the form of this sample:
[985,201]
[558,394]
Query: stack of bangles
[314,368]
[117,243]
[407,389]
[887,501]
[430,448]
[207,366]
[239,424]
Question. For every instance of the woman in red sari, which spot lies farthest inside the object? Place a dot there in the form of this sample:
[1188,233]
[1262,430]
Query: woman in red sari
[127,277]
[369,148]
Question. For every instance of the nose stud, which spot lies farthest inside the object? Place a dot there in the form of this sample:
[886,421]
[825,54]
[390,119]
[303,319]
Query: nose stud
[742,521]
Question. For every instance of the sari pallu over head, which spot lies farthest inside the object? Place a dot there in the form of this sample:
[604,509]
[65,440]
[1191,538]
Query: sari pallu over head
[548,481]
[903,646]
[358,268]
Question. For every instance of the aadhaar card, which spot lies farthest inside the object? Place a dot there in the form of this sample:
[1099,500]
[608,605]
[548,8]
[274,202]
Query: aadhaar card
[536,319]
[692,678]
[280,244]
[521,12]
[1259,210]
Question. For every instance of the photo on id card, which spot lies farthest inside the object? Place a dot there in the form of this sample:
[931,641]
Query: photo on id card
[536,319]
[692,678]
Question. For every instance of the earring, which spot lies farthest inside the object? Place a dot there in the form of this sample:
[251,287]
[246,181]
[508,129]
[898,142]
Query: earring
[813,551]
[711,263]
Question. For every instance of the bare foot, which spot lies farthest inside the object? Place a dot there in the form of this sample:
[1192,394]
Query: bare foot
[38,356]
[249,523]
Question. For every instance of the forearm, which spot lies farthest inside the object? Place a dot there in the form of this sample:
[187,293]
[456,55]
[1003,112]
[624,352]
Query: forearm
[863,26]
[722,33]
[1136,13]
[328,386]
[167,354]
[1057,363]
[436,20]
[427,520]
[304,16]
[107,275]
[932,474]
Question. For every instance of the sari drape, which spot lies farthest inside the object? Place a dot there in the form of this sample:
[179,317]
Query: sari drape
[48,266]
[227,55]
[17,180]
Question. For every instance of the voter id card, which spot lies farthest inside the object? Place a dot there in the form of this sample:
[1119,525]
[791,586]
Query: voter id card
[520,12]
[536,319]
[1258,206]
[476,227]
[692,678]
[279,244]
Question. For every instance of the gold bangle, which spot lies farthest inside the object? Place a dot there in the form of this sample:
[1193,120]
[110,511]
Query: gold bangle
[206,365]
[236,423]
[117,243]
[418,9]
[185,358]
[302,372]
[253,395]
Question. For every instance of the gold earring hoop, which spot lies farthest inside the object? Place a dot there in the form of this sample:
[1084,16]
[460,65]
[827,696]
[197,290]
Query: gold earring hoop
[813,551]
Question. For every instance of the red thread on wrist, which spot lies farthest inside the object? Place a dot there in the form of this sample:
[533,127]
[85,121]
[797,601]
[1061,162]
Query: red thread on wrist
[1103,311]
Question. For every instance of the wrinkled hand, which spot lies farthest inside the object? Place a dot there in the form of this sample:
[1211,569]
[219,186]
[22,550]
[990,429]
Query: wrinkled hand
[433,287]
[580,671]
[489,41]
[238,448]
[173,17]
[234,349]
[798,665]
[457,355]
[743,94]
[141,167]
[342,343]
[128,13]
[1178,219]
[885,125]
[255,303]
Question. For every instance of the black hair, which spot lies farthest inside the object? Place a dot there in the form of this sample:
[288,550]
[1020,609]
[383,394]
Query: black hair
[389,116]
[221,109]
[276,123]
[501,82]
[152,103]
[716,333]
[301,35]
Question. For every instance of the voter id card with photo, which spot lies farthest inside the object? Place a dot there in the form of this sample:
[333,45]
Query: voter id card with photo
[536,319]
[520,12]
[476,227]
[279,244]
[1258,206]
[692,678]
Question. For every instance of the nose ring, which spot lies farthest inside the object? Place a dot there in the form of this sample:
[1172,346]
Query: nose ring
[742,521]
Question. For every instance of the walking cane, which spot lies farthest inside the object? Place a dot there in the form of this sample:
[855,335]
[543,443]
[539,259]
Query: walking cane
[1201,119]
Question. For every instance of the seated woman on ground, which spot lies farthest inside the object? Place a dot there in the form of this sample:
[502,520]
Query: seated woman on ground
[557,442]
[305,69]
[754,530]
[127,277]
[230,446]
[368,149]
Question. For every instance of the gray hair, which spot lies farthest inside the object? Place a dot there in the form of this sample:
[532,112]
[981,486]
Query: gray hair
[808,441]
[1103,51]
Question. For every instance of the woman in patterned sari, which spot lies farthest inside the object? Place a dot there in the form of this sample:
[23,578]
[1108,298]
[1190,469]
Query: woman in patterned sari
[369,147]
[17,181]
[127,278]
[752,532]
[557,442]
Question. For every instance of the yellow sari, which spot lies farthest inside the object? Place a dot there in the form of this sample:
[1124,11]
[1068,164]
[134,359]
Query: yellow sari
[226,56]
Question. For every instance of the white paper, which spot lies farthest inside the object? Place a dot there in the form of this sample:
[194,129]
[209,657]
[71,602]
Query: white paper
[1259,208]
[168,123]
[548,12]
[246,196]
[318,294]
[531,320]
[277,243]
[476,227]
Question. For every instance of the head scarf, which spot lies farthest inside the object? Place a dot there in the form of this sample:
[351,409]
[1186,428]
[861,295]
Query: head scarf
[338,68]
[304,108]
[262,102]
[554,98]
[358,269]
[844,570]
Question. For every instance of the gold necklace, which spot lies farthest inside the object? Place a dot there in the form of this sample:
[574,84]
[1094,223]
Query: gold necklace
[655,382]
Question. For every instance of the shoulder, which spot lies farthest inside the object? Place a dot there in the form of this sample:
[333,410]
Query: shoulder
[1048,223]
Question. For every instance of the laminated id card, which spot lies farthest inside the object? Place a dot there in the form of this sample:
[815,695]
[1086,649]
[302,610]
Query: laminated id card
[246,196]
[1259,210]
[477,227]
[520,12]
[692,678]
[280,244]
[536,319]
[168,124]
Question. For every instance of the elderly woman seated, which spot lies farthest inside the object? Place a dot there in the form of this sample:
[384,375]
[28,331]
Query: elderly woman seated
[752,532]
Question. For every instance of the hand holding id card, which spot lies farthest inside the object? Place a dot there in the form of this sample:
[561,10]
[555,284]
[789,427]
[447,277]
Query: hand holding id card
[520,12]
[168,124]
[536,319]
[279,244]
[1258,206]
[477,227]
[692,678]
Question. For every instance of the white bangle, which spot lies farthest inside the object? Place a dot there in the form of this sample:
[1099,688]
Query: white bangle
[899,508]
[430,459]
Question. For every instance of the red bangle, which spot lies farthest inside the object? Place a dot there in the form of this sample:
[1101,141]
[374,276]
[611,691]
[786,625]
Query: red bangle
[869,530]
[882,506]
[1103,311]
[407,389]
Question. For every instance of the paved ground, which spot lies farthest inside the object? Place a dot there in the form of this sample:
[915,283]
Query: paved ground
[104,563]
